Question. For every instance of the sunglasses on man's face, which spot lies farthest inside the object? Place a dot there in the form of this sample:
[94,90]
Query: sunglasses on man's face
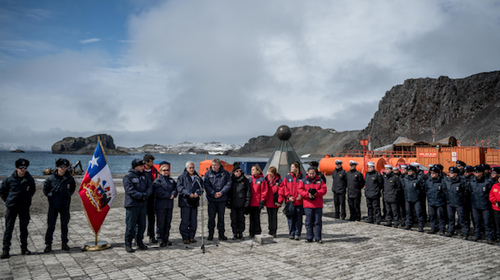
[22,167]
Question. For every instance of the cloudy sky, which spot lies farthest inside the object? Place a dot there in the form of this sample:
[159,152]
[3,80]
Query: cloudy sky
[223,70]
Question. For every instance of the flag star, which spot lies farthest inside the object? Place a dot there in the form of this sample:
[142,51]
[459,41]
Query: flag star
[93,162]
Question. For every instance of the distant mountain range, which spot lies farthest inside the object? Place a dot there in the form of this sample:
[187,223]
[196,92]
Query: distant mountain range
[216,148]
[12,147]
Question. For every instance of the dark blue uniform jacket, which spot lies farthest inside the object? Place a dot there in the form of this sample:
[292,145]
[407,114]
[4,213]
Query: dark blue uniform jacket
[59,189]
[164,187]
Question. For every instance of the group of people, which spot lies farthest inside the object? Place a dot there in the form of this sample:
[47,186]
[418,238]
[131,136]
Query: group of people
[302,195]
[470,194]
[18,189]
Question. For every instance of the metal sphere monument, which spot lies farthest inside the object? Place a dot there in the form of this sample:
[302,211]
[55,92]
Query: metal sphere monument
[284,132]
[283,155]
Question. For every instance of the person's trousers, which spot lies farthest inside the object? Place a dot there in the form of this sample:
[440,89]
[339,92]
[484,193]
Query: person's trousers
[135,216]
[164,221]
[51,224]
[402,206]
[272,219]
[238,220]
[414,209]
[392,213]
[10,220]
[339,202]
[482,217]
[314,223]
[216,208]
[436,215]
[496,218]
[354,208]
[151,216]
[189,222]
[373,205]
[461,218]
[295,221]
[255,221]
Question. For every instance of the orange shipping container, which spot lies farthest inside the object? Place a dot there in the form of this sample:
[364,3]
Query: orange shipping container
[448,156]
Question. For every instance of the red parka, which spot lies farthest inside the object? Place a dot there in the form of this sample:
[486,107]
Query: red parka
[259,190]
[273,187]
[495,196]
[316,183]
[290,187]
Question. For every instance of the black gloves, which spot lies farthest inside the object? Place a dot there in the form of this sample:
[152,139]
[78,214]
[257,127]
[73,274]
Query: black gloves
[261,205]
[144,196]
[313,193]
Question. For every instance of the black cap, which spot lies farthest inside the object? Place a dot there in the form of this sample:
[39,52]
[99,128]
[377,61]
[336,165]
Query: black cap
[496,169]
[411,168]
[62,161]
[236,166]
[440,166]
[461,163]
[468,168]
[486,166]
[478,168]
[22,162]
[435,169]
[136,162]
[454,169]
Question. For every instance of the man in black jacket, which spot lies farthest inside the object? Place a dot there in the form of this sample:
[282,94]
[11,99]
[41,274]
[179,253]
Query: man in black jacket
[17,191]
[339,186]
[392,186]
[58,188]
[374,184]
[355,184]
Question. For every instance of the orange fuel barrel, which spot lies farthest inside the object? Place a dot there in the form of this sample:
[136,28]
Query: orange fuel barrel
[410,160]
[205,165]
[395,161]
[327,165]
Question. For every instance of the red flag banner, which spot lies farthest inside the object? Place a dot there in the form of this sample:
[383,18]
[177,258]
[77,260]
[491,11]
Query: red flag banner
[97,190]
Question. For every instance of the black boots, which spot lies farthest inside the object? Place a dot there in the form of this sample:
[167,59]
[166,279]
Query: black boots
[65,247]
[5,254]
[48,248]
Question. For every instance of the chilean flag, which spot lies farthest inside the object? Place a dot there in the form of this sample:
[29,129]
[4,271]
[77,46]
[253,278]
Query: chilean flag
[97,190]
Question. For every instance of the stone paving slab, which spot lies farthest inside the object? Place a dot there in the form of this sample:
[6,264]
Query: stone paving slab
[351,250]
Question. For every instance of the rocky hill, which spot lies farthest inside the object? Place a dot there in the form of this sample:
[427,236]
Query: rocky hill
[86,146]
[467,108]
[311,140]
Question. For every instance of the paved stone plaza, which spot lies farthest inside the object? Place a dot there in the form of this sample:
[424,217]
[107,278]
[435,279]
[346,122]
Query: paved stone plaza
[351,250]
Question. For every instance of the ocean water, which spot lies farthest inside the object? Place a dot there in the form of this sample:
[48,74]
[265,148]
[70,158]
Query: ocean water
[39,161]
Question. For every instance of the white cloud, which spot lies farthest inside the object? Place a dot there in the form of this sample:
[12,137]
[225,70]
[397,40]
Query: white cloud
[230,70]
[93,40]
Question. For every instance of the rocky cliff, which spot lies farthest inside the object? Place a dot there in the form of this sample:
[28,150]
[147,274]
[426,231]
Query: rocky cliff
[86,146]
[311,140]
[467,108]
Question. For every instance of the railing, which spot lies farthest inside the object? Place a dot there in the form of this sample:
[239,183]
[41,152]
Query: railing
[375,154]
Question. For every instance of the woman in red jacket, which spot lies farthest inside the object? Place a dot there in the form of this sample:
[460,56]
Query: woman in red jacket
[312,189]
[273,179]
[289,192]
[258,199]
[495,199]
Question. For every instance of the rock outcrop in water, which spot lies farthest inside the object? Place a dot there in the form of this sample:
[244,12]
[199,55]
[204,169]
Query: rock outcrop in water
[86,146]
